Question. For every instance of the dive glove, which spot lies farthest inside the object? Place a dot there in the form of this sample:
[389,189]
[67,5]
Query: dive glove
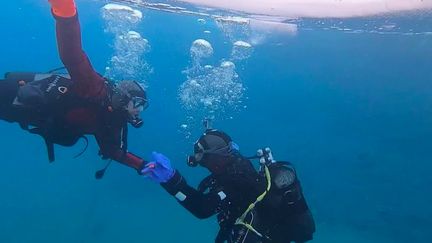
[159,169]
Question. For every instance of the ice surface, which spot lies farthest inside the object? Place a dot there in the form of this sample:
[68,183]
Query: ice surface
[316,8]
[113,8]
[242,44]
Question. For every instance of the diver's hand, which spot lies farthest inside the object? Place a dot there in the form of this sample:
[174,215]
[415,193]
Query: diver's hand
[159,169]
[63,8]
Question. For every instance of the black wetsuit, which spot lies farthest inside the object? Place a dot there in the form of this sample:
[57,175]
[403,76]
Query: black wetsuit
[229,194]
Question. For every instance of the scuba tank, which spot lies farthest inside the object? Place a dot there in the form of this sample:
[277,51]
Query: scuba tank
[282,207]
[285,196]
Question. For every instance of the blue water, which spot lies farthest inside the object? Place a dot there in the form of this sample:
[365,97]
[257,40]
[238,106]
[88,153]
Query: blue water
[353,112]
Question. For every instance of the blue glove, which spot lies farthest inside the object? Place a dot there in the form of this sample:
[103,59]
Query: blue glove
[159,169]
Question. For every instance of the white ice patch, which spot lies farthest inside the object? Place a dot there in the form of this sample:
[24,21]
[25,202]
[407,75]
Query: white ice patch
[234,28]
[163,5]
[272,26]
[201,21]
[119,18]
[242,44]
[316,8]
[233,20]
[388,26]
[116,8]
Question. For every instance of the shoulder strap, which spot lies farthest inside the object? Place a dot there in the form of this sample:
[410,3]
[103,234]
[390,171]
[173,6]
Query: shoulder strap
[50,150]
[48,143]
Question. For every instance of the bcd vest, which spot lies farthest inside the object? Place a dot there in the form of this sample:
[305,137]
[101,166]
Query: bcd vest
[47,98]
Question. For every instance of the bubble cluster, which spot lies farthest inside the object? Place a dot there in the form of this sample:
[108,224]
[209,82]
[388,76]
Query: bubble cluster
[215,89]
[201,49]
[241,50]
[201,21]
[127,61]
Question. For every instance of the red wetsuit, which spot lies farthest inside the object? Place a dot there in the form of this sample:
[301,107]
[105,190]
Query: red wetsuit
[88,84]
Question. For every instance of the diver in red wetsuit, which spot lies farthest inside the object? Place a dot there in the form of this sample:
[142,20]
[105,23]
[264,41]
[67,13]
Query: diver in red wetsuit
[64,107]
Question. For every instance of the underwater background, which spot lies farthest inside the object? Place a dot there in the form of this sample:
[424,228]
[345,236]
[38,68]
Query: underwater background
[349,102]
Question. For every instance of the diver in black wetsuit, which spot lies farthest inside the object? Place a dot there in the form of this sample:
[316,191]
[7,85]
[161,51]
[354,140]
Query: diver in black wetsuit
[251,206]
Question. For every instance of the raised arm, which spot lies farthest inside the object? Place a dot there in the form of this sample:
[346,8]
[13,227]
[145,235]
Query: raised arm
[87,82]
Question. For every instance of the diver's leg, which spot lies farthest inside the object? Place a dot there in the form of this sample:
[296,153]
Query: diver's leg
[8,92]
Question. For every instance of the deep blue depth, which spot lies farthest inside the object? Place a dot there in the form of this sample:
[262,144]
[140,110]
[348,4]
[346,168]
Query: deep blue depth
[353,112]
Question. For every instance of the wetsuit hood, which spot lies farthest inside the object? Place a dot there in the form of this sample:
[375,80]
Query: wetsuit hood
[129,96]
[214,150]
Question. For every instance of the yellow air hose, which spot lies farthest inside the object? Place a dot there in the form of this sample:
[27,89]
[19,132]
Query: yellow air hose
[240,220]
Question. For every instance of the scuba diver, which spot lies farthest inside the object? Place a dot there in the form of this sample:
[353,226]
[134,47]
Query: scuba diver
[62,108]
[251,206]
